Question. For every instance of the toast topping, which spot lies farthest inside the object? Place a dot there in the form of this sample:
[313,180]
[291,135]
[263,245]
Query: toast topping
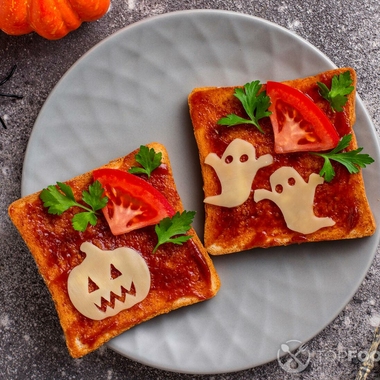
[337,198]
[255,103]
[60,198]
[148,159]
[173,230]
[132,202]
[353,160]
[295,198]
[107,282]
[103,284]
[299,125]
[236,170]
[341,87]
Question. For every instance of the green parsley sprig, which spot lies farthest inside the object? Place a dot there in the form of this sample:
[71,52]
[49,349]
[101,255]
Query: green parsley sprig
[255,104]
[353,160]
[60,198]
[341,86]
[173,230]
[149,160]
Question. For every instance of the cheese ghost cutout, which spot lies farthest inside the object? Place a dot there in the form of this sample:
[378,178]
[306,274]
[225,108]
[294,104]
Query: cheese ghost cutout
[295,198]
[236,170]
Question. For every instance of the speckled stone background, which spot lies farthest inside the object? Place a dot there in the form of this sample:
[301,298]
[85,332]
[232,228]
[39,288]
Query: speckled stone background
[31,341]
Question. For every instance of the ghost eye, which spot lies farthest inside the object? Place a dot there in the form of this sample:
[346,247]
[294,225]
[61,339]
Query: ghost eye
[244,158]
[115,273]
[92,287]
[228,159]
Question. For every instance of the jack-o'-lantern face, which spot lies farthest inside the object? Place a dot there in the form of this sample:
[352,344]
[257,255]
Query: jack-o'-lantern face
[107,282]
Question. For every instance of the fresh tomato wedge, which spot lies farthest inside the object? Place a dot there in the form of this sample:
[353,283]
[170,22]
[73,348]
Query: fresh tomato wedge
[132,202]
[298,123]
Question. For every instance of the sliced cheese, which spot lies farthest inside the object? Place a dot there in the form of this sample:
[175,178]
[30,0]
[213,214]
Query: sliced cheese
[107,282]
[295,198]
[236,170]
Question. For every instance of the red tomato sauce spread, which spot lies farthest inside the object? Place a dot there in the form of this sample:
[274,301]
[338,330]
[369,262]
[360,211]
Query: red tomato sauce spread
[331,200]
[176,271]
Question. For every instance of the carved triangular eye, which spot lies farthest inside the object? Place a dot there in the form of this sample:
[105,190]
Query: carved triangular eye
[115,273]
[92,286]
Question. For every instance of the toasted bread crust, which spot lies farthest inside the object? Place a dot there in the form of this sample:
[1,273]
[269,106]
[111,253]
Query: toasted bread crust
[56,260]
[261,224]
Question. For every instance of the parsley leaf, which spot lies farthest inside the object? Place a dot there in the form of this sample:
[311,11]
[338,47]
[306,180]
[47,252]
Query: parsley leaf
[149,160]
[94,196]
[352,160]
[341,86]
[255,104]
[60,198]
[169,228]
[58,201]
[82,219]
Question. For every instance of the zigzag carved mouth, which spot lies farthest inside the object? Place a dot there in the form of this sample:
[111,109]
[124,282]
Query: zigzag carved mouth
[114,297]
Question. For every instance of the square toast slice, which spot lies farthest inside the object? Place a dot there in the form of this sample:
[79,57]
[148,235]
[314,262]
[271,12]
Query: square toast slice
[180,275]
[259,221]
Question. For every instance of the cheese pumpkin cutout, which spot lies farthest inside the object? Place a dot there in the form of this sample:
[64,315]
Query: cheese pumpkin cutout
[103,284]
[258,221]
[107,282]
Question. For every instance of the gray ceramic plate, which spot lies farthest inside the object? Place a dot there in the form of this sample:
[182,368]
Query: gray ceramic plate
[132,89]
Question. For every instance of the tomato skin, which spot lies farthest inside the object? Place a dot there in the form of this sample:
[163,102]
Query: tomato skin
[299,125]
[133,203]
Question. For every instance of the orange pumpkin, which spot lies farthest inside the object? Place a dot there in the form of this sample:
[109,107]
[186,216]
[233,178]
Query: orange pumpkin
[51,19]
